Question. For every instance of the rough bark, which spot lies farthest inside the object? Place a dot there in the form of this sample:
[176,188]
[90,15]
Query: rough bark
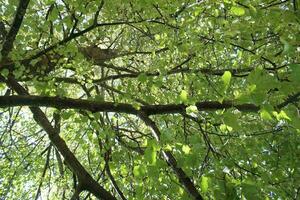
[94,106]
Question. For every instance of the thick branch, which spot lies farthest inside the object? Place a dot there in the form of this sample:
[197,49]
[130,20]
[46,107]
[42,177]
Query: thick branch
[94,106]
[84,177]
[10,37]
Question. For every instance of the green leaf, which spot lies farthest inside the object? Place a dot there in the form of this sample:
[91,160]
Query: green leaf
[250,190]
[238,11]
[4,72]
[136,171]
[2,86]
[183,96]
[157,37]
[186,149]
[18,73]
[191,109]
[66,115]
[142,77]
[225,128]
[265,115]
[204,184]
[281,115]
[99,98]
[231,120]
[150,155]
[153,172]
[252,9]
[226,78]
[295,73]
[287,47]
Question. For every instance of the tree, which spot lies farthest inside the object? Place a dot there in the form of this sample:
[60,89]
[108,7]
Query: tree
[150,99]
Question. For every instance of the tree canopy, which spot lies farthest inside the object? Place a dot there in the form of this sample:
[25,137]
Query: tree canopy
[144,99]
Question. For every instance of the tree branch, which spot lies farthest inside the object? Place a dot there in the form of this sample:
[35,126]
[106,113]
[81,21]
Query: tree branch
[88,183]
[43,173]
[94,106]
[170,159]
[78,34]
[10,37]
[111,177]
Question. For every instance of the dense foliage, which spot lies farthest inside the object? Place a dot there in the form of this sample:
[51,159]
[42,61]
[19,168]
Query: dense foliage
[144,99]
